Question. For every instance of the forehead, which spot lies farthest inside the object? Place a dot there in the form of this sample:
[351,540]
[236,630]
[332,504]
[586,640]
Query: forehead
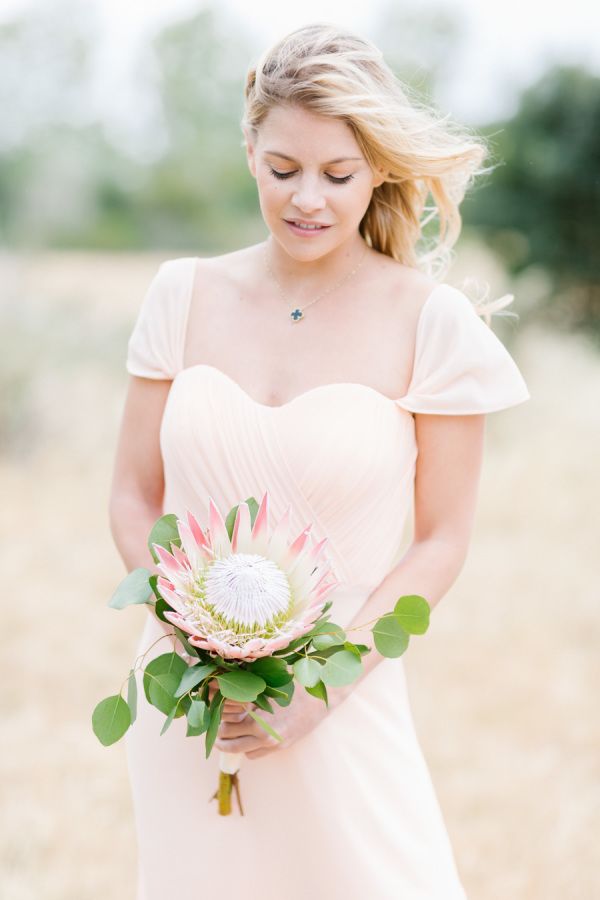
[302,134]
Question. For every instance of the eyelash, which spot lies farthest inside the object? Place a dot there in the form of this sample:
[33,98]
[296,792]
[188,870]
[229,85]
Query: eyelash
[332,178]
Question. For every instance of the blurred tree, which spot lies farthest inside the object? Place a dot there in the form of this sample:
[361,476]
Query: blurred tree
[540,205]
[200,187]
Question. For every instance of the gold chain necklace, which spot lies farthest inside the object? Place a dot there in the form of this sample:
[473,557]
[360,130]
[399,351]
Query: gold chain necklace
[296,315]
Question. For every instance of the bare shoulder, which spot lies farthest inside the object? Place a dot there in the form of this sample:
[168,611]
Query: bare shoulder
[406,284]
[233,267]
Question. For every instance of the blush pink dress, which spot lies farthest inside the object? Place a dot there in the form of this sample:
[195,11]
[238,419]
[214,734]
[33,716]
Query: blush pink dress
[349,810]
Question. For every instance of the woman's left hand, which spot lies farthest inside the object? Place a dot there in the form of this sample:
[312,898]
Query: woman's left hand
[291,722]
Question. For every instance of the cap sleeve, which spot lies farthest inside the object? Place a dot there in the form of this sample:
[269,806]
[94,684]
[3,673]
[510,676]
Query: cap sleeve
[461,367]
[155,347]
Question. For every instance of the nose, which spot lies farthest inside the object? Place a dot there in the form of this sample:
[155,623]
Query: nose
[308,196]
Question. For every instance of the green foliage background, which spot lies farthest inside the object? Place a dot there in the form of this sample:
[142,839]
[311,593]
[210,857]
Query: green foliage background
[67,181]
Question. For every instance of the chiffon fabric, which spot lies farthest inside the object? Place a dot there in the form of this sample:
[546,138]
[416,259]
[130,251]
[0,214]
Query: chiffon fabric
[348,810]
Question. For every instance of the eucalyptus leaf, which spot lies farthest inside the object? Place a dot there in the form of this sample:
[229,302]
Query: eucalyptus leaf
[164,532]
[352,648]
[168,720]
[242,685]
[160,607]
[198,716]
[283,694]
[153,582]
[274,671]
[413,611]
[216,708]
[265,725]
[111,719]
[262,702]
[132,695]
[162,691]
[320,691]
[341,668]
[182,637]
[391,639]
[334,636]
[230,519]
[307,671]
[164,664]
[134,588]
[193,676]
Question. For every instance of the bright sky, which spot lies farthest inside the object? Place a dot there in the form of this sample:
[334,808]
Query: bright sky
[508,43]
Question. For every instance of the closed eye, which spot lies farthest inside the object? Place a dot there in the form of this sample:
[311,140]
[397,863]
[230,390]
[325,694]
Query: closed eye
[332,178]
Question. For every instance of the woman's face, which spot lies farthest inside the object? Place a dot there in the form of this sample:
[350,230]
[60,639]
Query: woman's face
[309,168]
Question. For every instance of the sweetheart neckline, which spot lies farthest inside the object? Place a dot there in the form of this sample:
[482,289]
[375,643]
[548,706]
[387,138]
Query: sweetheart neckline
[319,387]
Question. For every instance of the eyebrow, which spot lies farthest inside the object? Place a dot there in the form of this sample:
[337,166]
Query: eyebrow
[330,163]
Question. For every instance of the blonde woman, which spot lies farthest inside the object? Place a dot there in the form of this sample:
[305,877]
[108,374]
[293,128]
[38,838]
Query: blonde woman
[331,365]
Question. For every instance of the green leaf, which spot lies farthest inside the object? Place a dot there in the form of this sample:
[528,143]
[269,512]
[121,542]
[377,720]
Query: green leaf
[111,719]
[263,703]
[265,725]
[391,639]
[335,636]
[320,691]
[132,695]
[182,637]
[135,588]
[164,532]
[168,720]
[307,671]
[274,671]
[198,716]
[230,520]
[193,676]
[153,581]
[241,685]
[341,668]
[215,710]
[160,607]
[283,694]
[352,648]
[167,663]
[162,691]
[413,612]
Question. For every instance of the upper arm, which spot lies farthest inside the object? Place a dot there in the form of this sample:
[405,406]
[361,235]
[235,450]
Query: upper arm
[138,466]
[449,460]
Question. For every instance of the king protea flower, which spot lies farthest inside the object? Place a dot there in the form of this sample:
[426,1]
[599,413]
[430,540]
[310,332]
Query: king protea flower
[244,597]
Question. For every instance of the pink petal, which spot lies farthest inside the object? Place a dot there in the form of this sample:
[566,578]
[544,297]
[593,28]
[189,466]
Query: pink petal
[240,537]
[181,557]
[261,526]
[296,548]
[183,623]
[168,561]
[218,531]
[199,536]
[279,539]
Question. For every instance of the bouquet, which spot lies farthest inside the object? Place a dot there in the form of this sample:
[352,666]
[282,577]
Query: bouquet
[249,608]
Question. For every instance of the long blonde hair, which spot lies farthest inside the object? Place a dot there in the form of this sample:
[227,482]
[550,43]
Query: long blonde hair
[337,73]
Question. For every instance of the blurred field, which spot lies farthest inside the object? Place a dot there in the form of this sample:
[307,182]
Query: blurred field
[504,689]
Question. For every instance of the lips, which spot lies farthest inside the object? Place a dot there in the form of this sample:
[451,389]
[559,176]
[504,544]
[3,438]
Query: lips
[306,225]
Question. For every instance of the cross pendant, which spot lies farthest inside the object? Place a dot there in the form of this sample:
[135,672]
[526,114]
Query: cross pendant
[296,315]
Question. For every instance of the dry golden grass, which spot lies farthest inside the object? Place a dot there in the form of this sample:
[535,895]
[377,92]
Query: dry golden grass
[502,689]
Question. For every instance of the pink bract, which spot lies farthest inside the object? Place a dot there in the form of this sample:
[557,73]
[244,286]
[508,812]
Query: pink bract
[246,597]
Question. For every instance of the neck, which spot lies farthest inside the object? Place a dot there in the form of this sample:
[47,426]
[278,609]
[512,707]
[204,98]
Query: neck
[314,274]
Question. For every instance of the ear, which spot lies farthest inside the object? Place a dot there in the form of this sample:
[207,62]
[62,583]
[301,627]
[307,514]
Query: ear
[250,151]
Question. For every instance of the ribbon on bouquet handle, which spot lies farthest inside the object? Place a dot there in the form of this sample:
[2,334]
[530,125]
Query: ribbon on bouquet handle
[229,765]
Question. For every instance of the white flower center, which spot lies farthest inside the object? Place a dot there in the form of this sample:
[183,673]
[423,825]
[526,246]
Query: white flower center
[247,589]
